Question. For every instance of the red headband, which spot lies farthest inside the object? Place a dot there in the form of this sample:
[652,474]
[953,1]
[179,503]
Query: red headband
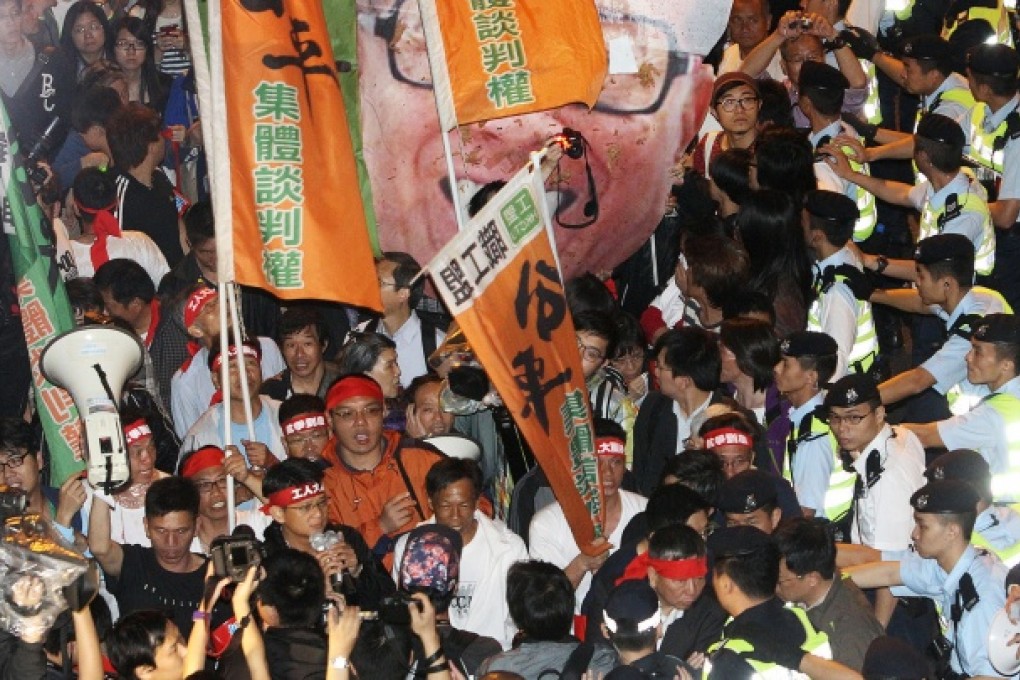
[727,436]
[247,350]
[352,386]
[202,459]
[675,570]
[196,303]
[292,495]
[303,422]
[610,446]
[136,431]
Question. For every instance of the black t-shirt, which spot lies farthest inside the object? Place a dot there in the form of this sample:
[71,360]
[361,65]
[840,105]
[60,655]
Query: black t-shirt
[152,211]
[143,584]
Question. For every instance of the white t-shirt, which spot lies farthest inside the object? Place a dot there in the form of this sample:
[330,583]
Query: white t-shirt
[552,541]
[130,245]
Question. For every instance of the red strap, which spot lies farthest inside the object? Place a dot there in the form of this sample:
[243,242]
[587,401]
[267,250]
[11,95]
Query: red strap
[675,570]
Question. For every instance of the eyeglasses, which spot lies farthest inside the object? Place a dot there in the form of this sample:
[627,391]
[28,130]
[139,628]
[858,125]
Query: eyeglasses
[15,460]
[207,487]
[735,463]
[851,419]
[388,283]
[655,48]
[350,415]
[130,46]
[730,105]
[636,356]
[88,28]
[592,354]
[321,505]
[311,437]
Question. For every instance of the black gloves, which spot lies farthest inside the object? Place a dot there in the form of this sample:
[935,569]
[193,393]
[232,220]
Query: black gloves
[862,127]
[863,43]
[858,282]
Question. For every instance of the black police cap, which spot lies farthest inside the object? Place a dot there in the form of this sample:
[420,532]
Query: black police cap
[1003,328]
[831,206]
[925,47]
[949,496]
[943,247]
[819,75]
[851,390]
[962,465]
[808,344]
[746,492]
[889,657]
[941,129]
[994,60]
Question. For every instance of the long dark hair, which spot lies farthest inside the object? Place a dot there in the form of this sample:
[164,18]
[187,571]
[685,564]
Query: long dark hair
[768,225]
[67,34]
[155,88]
[755,346]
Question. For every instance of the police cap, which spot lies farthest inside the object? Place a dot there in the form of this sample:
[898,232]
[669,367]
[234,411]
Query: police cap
[889,657]
[962,465]
[1000,61]
[851,390]
[925,47]
[819,75]
[808,344]
[1003,328]
[746,492]
[831,206]
[943,247]
[949,496]
[941,129]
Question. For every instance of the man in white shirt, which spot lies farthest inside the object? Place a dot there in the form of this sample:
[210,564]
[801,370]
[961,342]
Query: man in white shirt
[551,538]
[480,605]
[416,338]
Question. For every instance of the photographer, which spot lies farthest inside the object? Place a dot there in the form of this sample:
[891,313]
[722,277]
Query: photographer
[297,503]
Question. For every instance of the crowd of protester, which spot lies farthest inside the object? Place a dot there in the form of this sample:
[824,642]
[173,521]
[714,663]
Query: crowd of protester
[804,390]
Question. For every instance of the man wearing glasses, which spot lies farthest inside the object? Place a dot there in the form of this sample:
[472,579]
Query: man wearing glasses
[637,132]
[889,462]
[596,342]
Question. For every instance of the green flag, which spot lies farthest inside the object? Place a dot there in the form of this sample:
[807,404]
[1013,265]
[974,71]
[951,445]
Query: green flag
[45,309]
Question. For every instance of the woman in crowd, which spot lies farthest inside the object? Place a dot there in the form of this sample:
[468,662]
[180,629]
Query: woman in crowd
[375,355]
[133,51]
[86,36]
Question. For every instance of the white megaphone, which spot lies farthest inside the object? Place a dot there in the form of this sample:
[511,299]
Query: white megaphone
[92,364]
[456,445]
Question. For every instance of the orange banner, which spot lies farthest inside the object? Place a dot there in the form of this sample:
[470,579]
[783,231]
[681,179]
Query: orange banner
[500,279]
[294,184]
[497,58]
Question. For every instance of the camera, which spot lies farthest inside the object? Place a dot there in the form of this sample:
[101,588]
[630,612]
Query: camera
[232,556]
[12,503]
[803,23]
[393,609]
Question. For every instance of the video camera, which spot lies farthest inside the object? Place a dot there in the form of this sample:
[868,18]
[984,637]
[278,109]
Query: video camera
[393,609]
[233,556]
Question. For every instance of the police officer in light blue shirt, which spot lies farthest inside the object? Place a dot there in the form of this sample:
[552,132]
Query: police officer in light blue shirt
[966,583]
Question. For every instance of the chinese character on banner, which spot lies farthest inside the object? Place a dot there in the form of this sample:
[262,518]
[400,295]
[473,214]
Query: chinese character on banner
[293,180]
[500,279]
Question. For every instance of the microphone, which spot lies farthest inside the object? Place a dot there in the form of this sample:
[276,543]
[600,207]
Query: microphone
[342,583]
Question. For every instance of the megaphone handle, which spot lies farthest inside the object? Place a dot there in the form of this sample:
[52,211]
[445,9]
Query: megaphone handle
[106,384]
[108,484]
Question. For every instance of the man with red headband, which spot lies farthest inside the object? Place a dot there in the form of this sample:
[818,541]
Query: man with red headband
[377,479]
[297,502]
[675,565]
[204,468]
[266,448]
[550,535]
[192,387]
[305,426]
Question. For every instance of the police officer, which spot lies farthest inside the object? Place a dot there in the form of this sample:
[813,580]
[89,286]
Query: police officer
[823,487]
[945,272]
[992,427]
[827,230]
[749,499]
[821,90]
[994,132]
[967,584]
[997,527]
[763,638]
[949,200]
[925,68]
[888,462]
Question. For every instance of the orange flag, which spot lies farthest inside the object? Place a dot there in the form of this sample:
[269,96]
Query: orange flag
[298,225]
[500,279]
[497,58]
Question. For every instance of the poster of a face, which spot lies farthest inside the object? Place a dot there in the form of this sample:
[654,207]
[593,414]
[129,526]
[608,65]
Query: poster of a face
[653,101]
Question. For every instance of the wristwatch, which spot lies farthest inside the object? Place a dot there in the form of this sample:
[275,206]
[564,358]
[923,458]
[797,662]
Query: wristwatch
[339,663]
[881,262]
